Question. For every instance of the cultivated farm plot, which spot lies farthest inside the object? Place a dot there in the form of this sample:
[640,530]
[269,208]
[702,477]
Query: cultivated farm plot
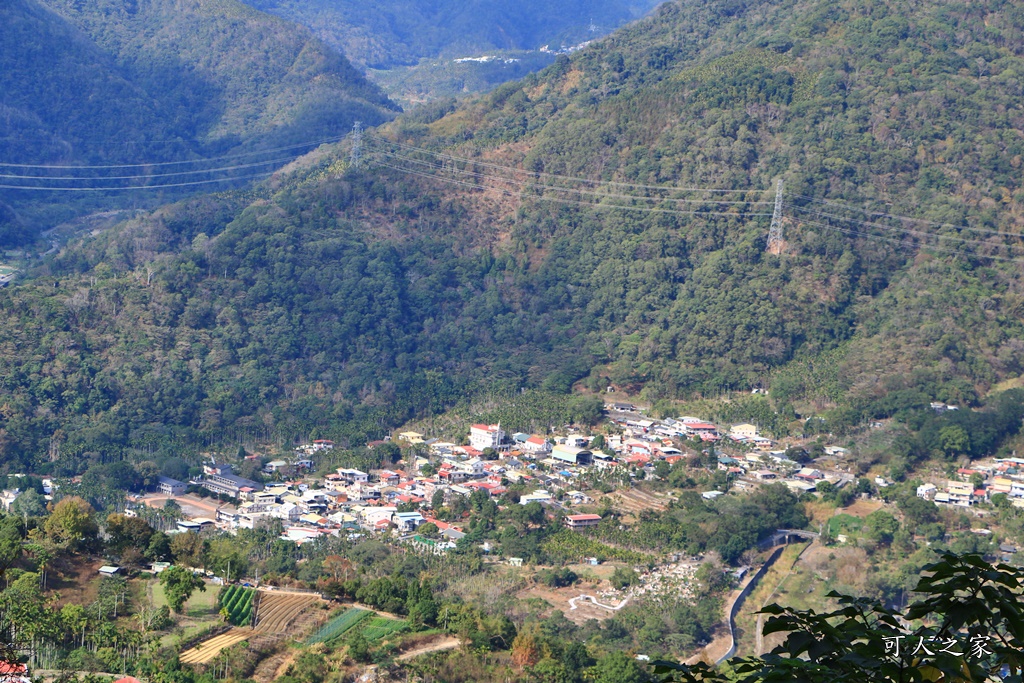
[634,501]
[277,610]
[379,628]
[275,614]
[337,626]
[209,649]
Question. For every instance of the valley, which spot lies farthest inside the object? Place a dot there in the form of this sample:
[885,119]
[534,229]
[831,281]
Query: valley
[701,305]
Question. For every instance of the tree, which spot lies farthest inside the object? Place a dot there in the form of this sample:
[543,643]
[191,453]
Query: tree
[526,649]
[338,567]
[29,504]
[358,648]
[624,577]
[128,532]
[437,500]
[954,439]
[159,549]
[389,452]
[428,529]
[618,667]
[179,584]
[71,523]
[662,469]
[11,532]
[189,549]
[918,511]
[881,526]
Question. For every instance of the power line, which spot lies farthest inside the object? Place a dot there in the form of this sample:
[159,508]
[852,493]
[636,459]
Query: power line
[908,231]
[556,188]
[848,207]
[560,200]
[148,175]
[666,188]
[868,235]
[176,163]
[135,187]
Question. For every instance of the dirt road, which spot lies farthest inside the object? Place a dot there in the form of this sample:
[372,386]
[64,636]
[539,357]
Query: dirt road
[194,506]
[447,643]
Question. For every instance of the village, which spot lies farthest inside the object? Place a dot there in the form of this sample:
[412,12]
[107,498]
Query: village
[558,472]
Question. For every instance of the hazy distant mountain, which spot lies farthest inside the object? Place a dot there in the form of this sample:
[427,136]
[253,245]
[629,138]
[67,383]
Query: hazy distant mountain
[127,82]
[388,33]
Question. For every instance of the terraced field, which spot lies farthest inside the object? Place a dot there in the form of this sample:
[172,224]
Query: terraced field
[274,614]
[209,649]
[277,610]
[634,501]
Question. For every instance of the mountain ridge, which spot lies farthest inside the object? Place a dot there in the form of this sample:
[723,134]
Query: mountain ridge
[347,300]
[117,82]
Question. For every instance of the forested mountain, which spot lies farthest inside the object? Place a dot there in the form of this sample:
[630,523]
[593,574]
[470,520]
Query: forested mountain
[126,82]
[348,299]
[389,33]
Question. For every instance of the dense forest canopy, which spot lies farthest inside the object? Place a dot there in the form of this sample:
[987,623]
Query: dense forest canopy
[349,299]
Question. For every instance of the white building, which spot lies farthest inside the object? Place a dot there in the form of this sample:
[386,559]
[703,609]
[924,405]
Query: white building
[287,511]
[353,476]
[536,446]
[486,436]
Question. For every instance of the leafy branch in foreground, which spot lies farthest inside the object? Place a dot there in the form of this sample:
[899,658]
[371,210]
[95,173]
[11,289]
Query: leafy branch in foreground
[968,626]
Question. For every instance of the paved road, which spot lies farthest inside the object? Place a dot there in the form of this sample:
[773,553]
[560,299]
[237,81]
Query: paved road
[572,602]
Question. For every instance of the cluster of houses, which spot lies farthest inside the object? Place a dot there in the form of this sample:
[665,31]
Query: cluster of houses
[980,482]
[398,501]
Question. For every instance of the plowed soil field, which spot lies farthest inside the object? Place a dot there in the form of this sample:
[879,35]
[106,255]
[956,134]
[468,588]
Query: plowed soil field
[274,614]
[209,649]
[277,610]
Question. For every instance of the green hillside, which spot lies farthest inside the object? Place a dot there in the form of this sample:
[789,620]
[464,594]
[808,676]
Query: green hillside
[112,82]
[349,300]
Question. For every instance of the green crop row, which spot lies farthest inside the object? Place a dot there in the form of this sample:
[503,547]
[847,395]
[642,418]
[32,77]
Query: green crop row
[337,626]
[237,601]
[379,628]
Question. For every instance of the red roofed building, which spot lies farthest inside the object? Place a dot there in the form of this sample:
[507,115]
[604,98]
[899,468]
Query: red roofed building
[442,525]
[409,499]
[581,521]
[14,672]
[536,446]
[486,436]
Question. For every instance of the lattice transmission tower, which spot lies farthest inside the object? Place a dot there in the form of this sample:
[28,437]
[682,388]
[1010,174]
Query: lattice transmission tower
[775,231]
[356,155]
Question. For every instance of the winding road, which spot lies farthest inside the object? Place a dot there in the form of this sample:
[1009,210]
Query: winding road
[592,599]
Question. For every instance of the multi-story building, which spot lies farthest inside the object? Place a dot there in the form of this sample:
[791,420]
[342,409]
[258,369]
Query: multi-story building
[486,436]
[221,479]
